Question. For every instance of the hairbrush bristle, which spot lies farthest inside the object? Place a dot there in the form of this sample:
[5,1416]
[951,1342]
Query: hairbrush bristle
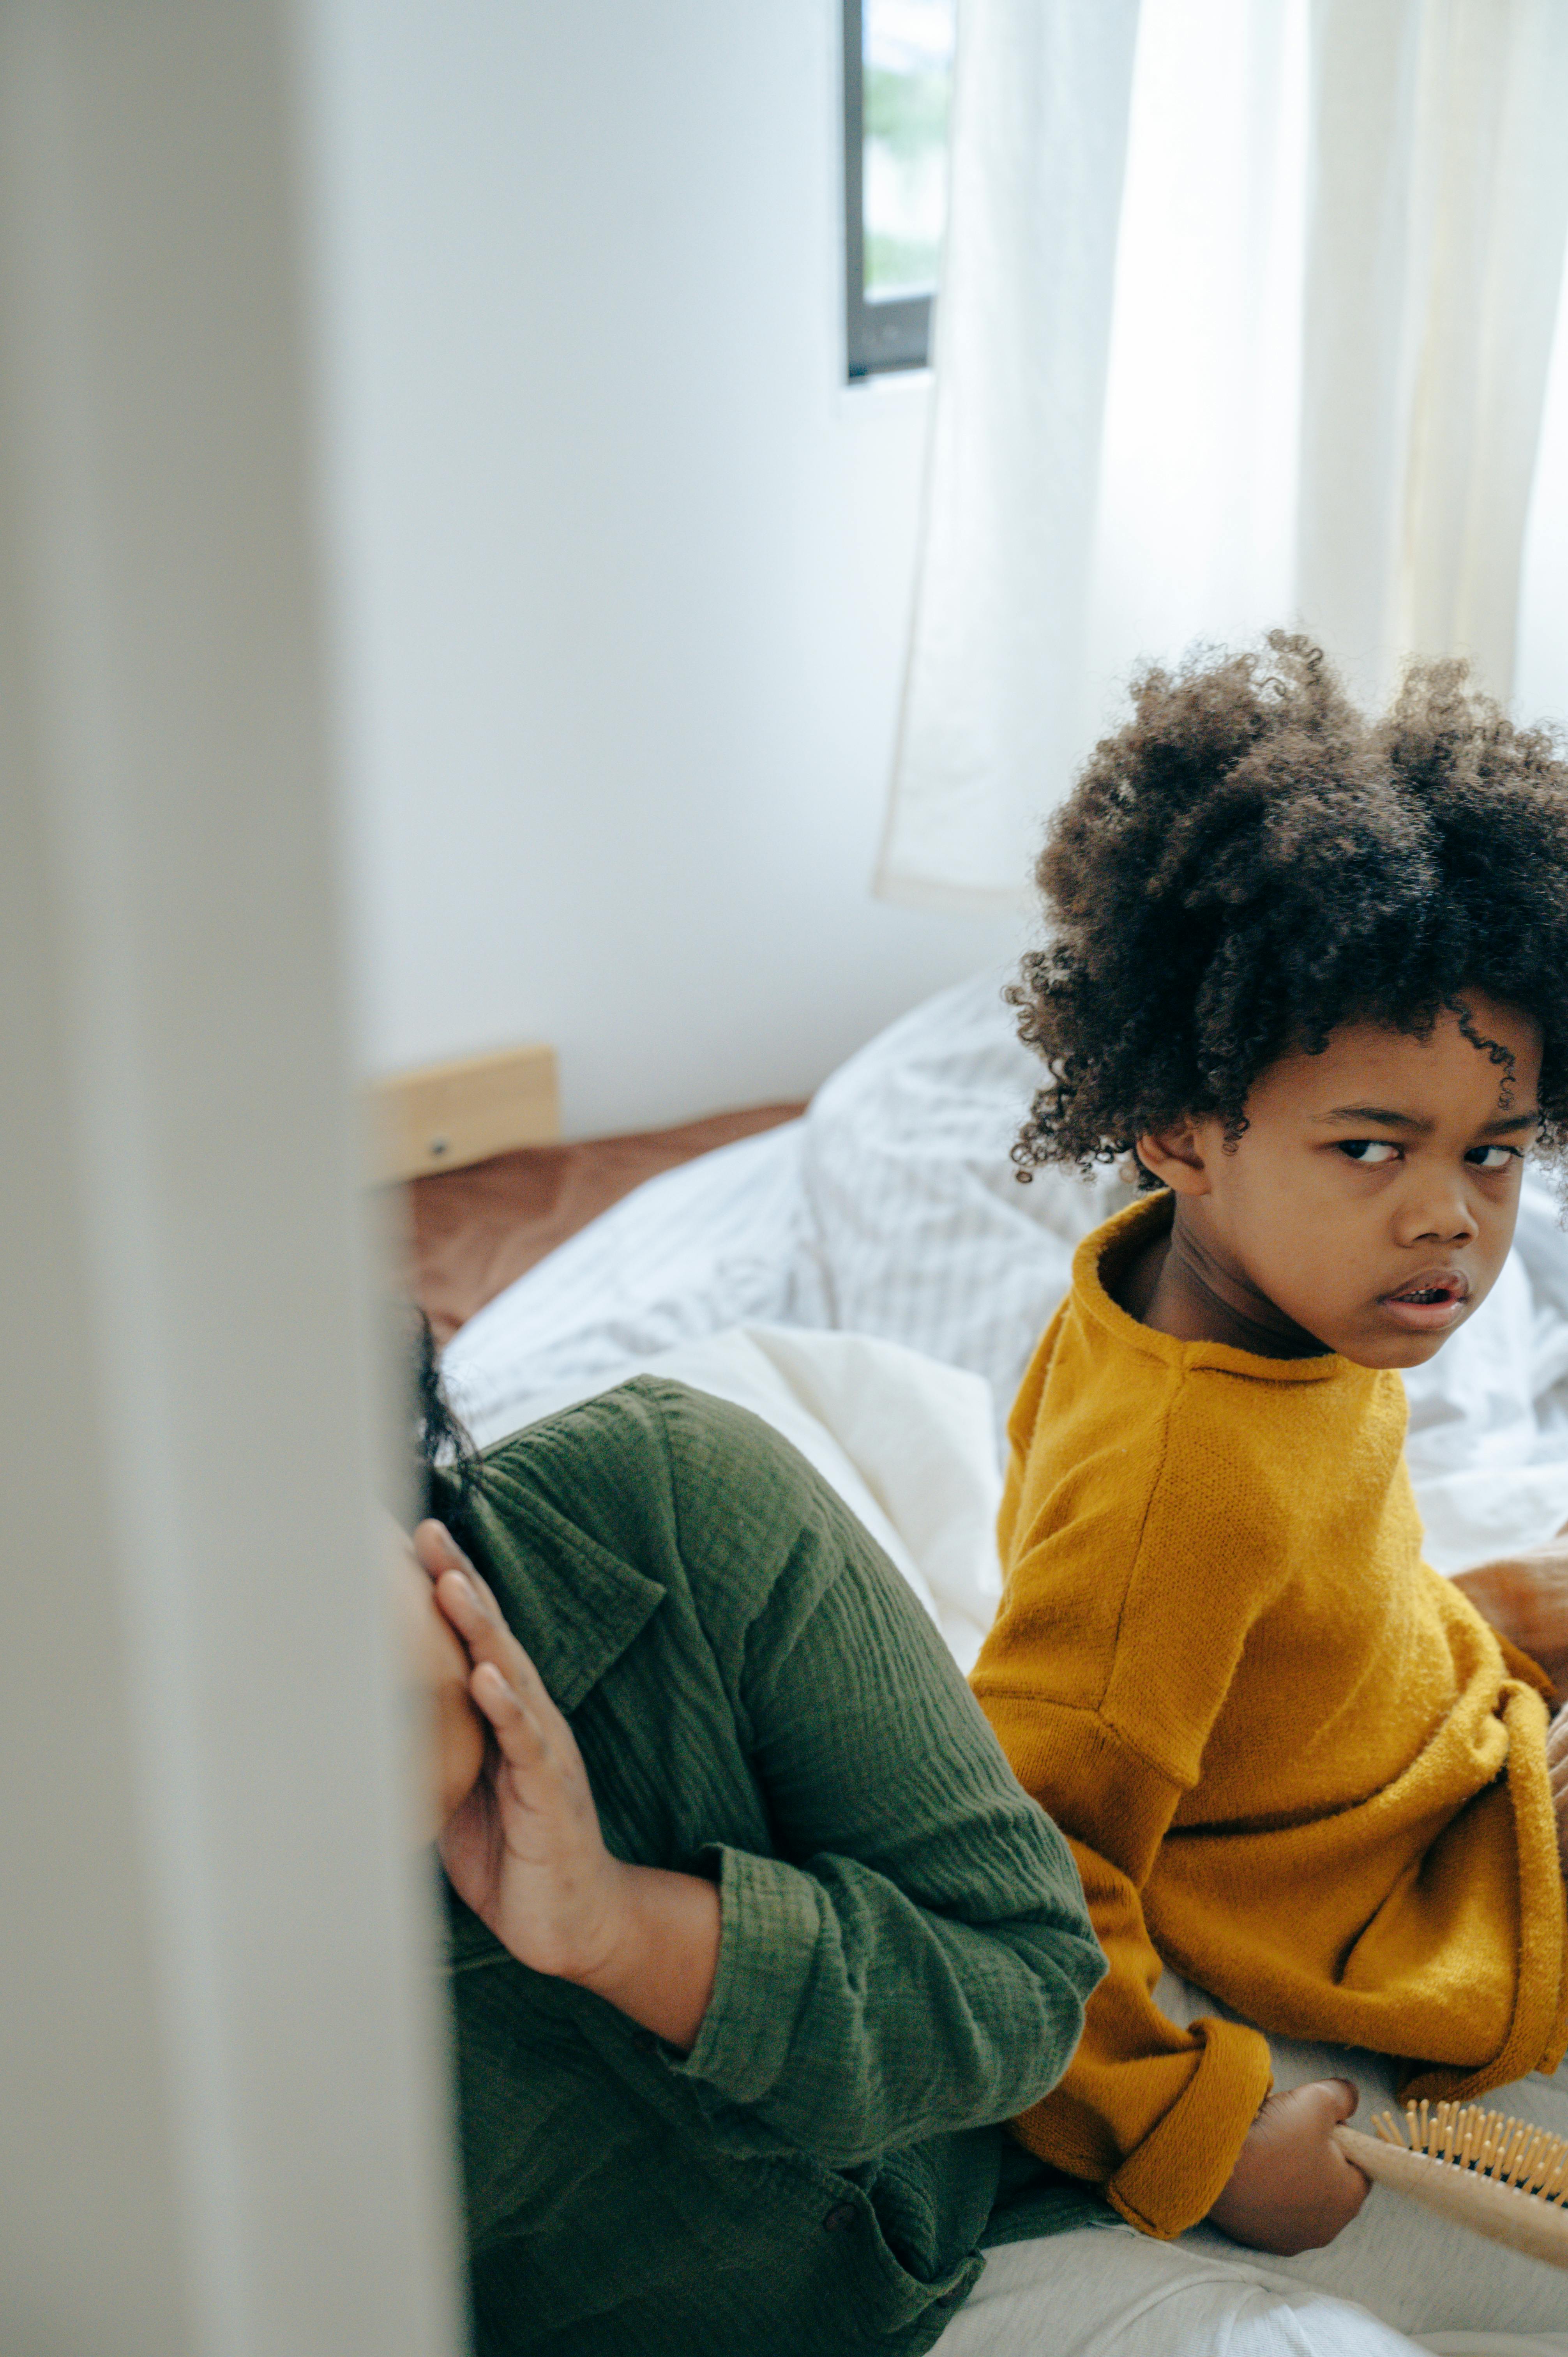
[1490,2145]
[1502,2178]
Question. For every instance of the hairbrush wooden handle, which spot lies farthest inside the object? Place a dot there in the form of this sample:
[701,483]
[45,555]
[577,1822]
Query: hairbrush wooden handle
[1501,2212]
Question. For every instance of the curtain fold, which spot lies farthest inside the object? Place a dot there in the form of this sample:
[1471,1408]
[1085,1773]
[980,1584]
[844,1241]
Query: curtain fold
[1247,317]
[1040,101]
[1439,207]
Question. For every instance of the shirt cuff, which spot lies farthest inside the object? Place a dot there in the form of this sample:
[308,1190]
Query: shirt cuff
[1177,2174]
[770,1924]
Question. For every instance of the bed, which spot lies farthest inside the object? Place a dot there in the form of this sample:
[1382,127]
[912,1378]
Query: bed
[472,1232]
[867,1273]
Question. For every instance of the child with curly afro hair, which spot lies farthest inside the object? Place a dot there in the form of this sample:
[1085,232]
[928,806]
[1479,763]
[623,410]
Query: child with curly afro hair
[1311,971]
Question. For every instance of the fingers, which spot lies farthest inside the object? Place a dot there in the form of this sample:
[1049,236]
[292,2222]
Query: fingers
[470,1607]
[1340,2097]
[1356,2187]
[438,1550]
[1351,2193]
[1323,2103]
[1331,2102]
[474,1615]
[1327,2103]
[517,1731]
[441,1555]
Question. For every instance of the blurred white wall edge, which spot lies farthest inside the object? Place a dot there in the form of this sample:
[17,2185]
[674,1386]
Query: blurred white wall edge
[221,2115]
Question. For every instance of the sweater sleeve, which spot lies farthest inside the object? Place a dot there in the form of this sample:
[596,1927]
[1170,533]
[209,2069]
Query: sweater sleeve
[915,1955]
[1155,2114]
[1106,1725]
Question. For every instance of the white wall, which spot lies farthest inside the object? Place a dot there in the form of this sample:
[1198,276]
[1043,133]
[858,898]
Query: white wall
[623,570]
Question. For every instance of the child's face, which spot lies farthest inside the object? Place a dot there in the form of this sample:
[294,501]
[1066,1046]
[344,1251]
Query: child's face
[1371,1201]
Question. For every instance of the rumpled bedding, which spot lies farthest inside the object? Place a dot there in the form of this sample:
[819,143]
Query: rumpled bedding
[892,1211]
[871,1279]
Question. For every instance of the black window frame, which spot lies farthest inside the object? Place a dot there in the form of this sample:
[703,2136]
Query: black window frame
[878,337]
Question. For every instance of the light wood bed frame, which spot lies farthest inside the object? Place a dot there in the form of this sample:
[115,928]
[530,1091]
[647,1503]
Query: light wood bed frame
[443,1115]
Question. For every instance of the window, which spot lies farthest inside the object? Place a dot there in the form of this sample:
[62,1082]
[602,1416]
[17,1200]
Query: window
[897,74]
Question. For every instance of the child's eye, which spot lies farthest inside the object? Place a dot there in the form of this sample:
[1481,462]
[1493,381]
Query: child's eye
[1367,1149]
[1491,1157]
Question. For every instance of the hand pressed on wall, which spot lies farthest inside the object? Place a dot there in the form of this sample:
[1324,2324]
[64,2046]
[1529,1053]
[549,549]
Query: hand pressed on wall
[524,1849]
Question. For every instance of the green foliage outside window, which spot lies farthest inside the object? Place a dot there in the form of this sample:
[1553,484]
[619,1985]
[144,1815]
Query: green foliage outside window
[906,162]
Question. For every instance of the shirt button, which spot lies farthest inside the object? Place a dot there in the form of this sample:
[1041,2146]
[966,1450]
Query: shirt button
[840,2214]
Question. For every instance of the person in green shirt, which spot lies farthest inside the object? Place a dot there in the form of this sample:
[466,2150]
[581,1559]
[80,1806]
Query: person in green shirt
[752,1936]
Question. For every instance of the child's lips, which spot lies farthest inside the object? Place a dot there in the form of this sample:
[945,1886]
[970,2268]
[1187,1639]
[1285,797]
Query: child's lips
[1428,1301]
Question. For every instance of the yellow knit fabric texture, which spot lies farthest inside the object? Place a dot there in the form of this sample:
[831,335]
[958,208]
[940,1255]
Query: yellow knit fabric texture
[1293,1762]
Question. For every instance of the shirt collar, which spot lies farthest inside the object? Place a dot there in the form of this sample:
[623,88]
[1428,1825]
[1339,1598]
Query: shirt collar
[572,1605]
[1103,1254]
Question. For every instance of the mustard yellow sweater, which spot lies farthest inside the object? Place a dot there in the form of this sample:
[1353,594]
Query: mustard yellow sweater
[1293,1762]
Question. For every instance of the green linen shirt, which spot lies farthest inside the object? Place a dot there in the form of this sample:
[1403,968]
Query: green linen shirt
[905,1950]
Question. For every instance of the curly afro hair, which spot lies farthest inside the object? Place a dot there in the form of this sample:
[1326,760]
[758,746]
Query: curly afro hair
[1249,863]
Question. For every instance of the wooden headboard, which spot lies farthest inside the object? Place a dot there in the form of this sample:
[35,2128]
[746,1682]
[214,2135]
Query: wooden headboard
[443,1115]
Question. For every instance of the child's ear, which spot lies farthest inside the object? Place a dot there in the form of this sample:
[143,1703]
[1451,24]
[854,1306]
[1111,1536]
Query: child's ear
[1176,1155]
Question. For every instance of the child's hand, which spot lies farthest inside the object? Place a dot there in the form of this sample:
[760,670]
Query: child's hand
[525,1851]
[1557,1772]
[1292,2189]
[1525,1598]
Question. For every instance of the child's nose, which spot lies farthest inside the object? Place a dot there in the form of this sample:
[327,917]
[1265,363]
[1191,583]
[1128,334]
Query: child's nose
[1440,1214]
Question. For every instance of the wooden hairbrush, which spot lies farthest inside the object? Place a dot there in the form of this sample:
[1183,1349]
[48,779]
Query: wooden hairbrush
[1502,2178]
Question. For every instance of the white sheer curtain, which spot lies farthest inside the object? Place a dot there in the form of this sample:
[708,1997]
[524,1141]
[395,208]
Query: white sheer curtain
[1040,100]
[1440,157]
[1310,386]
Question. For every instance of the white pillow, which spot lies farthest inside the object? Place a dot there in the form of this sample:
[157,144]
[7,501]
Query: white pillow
[926,1236]
[924,1231]
[906,1443]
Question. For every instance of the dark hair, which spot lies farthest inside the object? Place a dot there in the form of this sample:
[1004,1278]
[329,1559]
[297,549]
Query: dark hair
[1249,863]
[441,1446]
